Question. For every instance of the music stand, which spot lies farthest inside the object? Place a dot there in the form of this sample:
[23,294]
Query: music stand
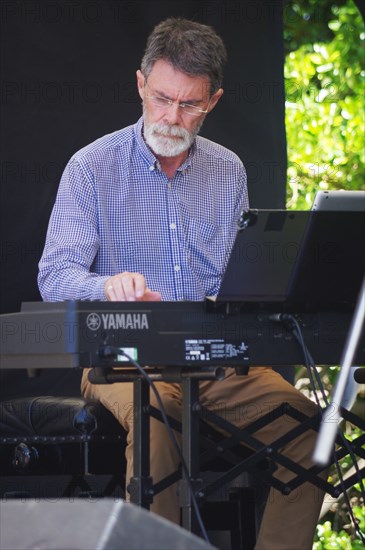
[296,261]
[343,200]
[328,239]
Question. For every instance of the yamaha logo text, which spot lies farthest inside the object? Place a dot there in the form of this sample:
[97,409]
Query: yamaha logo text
[125,321]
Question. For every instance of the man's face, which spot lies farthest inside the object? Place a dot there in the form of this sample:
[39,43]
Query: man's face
[168,130]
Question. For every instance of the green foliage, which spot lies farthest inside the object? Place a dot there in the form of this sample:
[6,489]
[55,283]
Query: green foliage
[325,84]
[325,80]
[306,22]
[330,540]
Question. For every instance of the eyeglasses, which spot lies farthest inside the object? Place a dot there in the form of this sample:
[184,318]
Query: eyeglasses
[164,103]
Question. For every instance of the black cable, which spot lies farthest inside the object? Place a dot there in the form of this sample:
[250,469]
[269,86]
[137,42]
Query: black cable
[291,323]
[172,438]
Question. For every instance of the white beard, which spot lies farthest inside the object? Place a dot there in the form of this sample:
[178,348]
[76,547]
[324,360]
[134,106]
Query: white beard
[168,140]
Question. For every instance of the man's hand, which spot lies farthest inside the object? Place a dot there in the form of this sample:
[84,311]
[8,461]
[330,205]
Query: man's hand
[129,287]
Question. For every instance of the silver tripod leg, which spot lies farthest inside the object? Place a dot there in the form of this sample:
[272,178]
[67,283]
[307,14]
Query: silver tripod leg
[332,416]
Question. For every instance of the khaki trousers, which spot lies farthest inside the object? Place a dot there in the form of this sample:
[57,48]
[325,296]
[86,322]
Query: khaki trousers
[289,521]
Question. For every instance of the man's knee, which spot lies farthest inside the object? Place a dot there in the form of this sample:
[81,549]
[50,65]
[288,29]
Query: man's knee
[170,401]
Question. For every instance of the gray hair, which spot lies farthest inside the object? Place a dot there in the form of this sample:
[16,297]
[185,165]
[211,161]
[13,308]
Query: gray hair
[190,47]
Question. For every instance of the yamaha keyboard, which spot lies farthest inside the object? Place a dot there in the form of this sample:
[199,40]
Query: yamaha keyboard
[191,334]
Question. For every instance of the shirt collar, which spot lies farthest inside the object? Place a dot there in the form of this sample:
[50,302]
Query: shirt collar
[148,155]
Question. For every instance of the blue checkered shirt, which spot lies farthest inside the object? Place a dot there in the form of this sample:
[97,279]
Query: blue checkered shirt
[117,211]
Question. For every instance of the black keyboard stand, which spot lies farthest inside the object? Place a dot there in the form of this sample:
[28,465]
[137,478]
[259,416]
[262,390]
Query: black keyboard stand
[201,443]
[141,487]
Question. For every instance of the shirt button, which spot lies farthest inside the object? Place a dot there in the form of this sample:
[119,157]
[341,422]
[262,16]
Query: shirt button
[152,168]
[172,225]
[177,268]
[169,186]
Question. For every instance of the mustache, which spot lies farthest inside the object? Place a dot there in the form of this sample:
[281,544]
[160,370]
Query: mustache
[169,130]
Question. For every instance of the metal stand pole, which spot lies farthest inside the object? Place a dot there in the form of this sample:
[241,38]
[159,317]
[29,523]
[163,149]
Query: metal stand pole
[140,487]
[331,417]
[190,448]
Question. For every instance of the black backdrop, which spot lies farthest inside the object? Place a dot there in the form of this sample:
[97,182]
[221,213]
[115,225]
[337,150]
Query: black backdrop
[68,77]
